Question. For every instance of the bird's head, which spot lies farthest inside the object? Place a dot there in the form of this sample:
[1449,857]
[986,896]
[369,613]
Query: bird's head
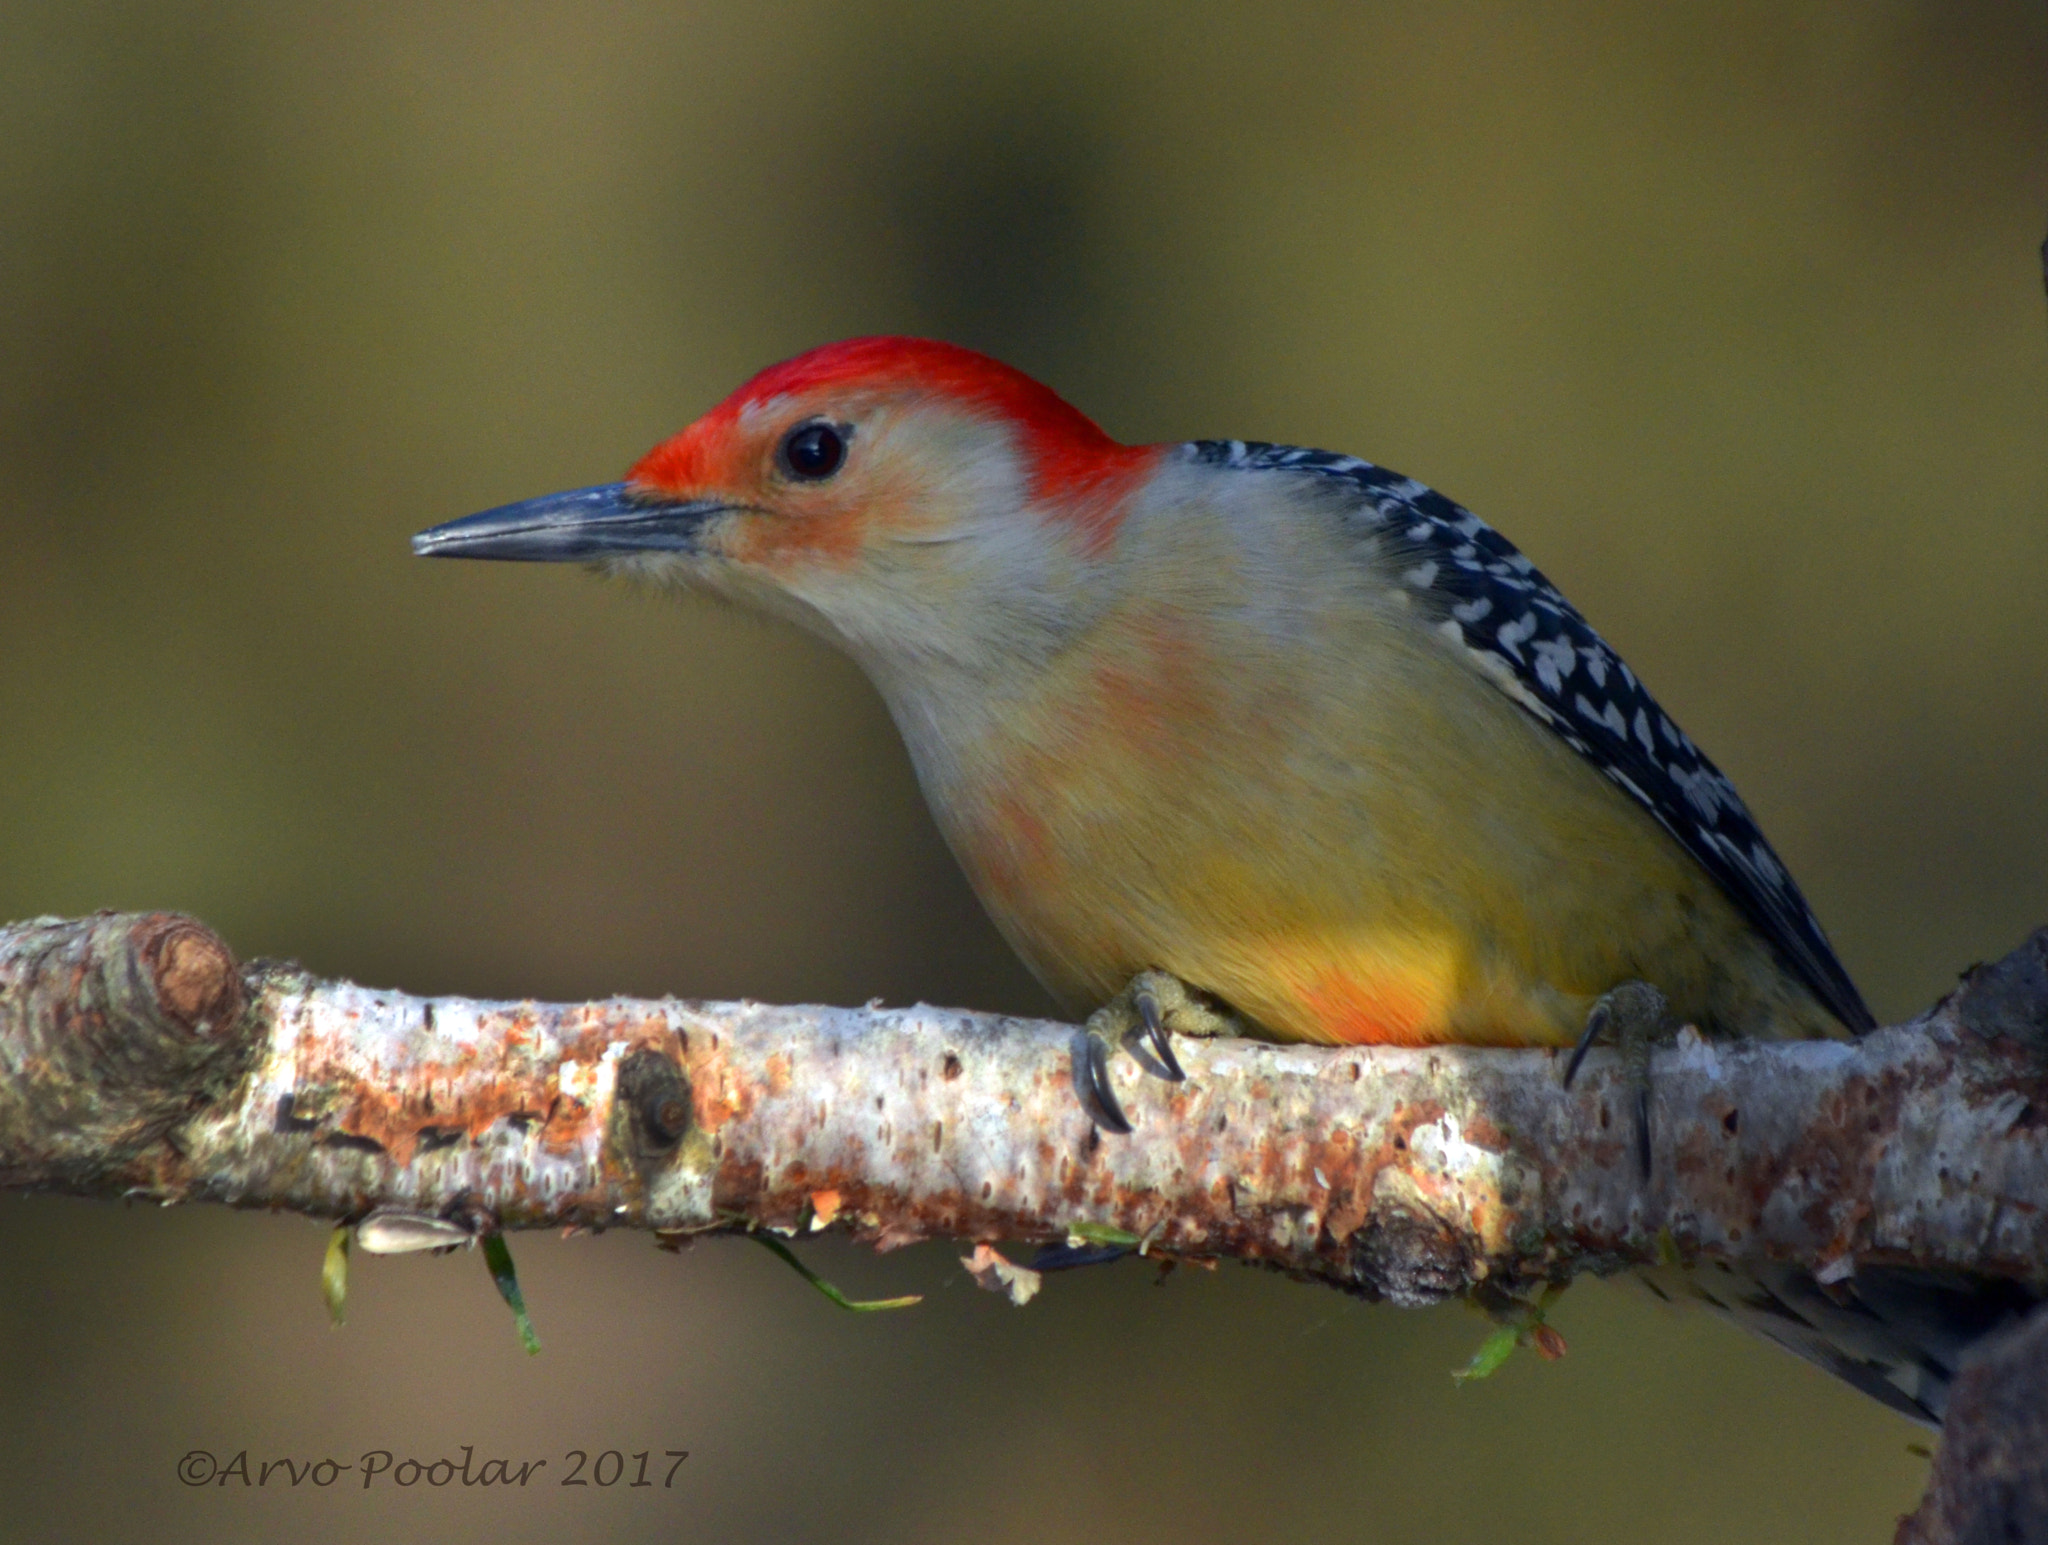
[894,493]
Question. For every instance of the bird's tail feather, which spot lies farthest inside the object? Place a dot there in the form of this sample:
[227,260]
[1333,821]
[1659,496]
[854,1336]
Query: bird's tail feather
[1896,1333]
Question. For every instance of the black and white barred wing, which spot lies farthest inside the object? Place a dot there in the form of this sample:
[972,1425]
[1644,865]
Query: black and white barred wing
[1536,647]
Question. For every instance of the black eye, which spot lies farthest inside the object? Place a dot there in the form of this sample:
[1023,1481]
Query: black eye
[813,451]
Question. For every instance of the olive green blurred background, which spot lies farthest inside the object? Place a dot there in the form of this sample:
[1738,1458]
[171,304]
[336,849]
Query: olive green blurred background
[1731,316]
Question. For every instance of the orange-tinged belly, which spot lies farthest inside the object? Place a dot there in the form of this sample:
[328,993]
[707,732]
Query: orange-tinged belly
[1386,1009]
[1393,988]
[1349,846]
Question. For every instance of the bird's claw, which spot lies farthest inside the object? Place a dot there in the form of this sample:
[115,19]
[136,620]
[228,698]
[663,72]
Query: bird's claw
[1150,1011]
[1145,999]
[1091,1066]
[1596,1026]
[1640,1017]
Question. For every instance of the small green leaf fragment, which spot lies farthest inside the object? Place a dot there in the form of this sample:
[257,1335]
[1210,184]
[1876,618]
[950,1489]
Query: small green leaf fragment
[1493,1351]
[858,1305]
[334,1275]
[1100,1234]
[498,1257]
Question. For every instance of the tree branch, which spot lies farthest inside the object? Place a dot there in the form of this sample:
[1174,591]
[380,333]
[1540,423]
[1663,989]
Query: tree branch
[141,1060]
[1990,1482]
[138,1058]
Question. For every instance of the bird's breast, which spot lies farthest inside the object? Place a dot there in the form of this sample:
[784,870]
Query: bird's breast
[1315,811]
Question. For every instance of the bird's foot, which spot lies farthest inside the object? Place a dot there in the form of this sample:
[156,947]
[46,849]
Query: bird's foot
[1639,1016]
[1154,1006]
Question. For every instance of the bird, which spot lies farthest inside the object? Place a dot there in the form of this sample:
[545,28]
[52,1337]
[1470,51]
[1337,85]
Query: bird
[1278,725]
[1232,737]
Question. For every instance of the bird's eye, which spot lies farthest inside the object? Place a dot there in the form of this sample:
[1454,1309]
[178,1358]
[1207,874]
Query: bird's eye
[813,451]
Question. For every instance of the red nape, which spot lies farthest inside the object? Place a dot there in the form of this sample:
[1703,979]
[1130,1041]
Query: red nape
[1072,460]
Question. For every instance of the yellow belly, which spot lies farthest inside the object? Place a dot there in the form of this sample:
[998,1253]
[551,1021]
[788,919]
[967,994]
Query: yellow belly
[1351,841]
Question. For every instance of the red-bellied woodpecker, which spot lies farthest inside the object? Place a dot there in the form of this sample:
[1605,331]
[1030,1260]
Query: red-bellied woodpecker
[1225,734]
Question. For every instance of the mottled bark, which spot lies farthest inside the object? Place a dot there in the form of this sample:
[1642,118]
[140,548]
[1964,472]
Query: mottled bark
[140,1060]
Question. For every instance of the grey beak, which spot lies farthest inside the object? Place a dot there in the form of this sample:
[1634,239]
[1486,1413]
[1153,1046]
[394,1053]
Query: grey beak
[582,523]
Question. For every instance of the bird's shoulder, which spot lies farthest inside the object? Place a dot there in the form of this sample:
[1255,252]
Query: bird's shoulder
[1509,622]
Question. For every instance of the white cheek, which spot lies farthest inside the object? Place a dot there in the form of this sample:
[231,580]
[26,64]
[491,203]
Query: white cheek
[855,618]
[665,569]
